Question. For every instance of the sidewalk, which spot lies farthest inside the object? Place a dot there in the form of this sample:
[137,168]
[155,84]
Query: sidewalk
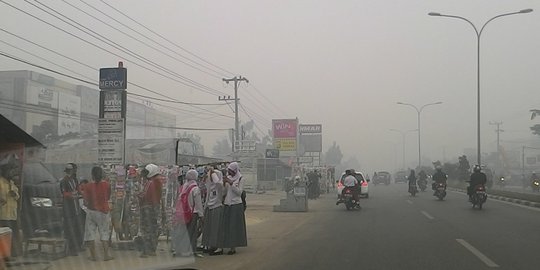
[259,210]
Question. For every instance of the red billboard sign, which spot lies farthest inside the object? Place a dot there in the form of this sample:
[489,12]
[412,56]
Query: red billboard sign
[284,128]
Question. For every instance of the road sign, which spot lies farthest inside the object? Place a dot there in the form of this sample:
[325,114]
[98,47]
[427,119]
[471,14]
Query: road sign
[111,141]
[305,159]
[272,153]
[113,78]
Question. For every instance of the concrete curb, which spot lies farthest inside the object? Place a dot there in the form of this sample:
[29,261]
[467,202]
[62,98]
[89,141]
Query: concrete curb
[506,199]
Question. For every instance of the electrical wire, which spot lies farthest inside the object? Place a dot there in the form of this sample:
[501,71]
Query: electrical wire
[117,46]
[106,50]
[140,41]
[19,106]
[91,83]
[164,38]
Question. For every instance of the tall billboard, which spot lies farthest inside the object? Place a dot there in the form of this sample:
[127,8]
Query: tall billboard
[285,132]
[311,137]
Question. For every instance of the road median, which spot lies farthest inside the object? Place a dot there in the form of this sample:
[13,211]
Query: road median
[503,195]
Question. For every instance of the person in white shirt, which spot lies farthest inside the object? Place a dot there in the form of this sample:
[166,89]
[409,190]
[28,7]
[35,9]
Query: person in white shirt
[184,235]
[351,182]
[212,234]
[234,220]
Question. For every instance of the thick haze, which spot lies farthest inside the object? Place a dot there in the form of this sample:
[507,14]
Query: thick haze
[343,64]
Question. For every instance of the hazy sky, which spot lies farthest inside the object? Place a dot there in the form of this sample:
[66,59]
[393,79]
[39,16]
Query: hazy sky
[341,63]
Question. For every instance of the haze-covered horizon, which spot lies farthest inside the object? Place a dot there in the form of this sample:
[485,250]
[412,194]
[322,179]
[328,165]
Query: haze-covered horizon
[343,64]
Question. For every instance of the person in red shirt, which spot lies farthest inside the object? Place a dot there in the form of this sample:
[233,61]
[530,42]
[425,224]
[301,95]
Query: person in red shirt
[150,201]
[96,199]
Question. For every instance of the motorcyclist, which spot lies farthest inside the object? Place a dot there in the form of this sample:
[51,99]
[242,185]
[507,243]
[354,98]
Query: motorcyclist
[477,178]
[439,177]
[351,182]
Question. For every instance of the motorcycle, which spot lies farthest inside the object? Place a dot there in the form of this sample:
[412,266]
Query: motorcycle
[413,190]
[347,198]
[440,191]
[423,185]
[535,185]
[502,182]
[479,196]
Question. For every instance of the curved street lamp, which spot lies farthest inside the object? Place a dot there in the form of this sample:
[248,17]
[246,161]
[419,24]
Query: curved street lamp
[419,110]
[478,34]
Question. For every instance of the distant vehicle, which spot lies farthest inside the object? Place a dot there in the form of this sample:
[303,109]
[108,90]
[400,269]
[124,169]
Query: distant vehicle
[364,188]
[400,177]
[382,178]
[41,200]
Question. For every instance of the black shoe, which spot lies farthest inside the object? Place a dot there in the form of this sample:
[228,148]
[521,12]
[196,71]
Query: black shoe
[215,253]
[231,252]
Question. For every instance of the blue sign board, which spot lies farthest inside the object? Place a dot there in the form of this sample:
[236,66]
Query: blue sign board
[112,78]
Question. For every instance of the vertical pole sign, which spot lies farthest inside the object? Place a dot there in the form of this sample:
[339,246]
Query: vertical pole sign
[112,115]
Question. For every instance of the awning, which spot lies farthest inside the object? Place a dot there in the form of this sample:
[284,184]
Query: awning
[9,132]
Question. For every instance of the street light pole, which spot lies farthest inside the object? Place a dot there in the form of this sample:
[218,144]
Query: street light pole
[403,134]
[418,111]
[478,35]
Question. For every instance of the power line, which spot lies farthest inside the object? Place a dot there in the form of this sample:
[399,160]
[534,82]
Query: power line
[166,39]
[140,41]
[179,102]
[256,126]
[91,83]
[44,68]
[41,58]
[267,99]
[117,46]
[106,50]
[43,111]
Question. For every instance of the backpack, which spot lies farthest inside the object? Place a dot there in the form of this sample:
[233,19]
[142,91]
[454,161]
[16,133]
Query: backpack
[184,213]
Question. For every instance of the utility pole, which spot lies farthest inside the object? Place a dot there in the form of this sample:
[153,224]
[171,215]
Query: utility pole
[498,130]
[236,80]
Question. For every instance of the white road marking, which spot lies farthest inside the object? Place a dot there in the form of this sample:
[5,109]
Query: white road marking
[477,253]
[427,215]
[409,201]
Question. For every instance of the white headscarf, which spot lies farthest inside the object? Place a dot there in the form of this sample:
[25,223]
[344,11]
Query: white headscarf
[235,168]
[192,175]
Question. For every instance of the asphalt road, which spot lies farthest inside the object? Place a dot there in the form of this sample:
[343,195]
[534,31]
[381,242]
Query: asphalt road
[394,231]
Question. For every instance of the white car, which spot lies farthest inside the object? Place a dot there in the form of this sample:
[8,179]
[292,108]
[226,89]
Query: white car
[364,187]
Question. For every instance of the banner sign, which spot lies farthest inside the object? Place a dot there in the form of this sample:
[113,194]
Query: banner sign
[310,129]
[284,128]
[285,144]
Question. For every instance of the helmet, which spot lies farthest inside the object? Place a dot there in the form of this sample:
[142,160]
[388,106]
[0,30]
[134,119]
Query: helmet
[476,168]
[438,168]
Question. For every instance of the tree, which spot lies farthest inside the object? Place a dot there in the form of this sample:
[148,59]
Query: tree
[334,155]
[536,129]
[45,132]
[222,148]
[192,141]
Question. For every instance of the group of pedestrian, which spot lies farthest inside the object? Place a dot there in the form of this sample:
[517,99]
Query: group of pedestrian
[86,212]
[218,215]
[221,216]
